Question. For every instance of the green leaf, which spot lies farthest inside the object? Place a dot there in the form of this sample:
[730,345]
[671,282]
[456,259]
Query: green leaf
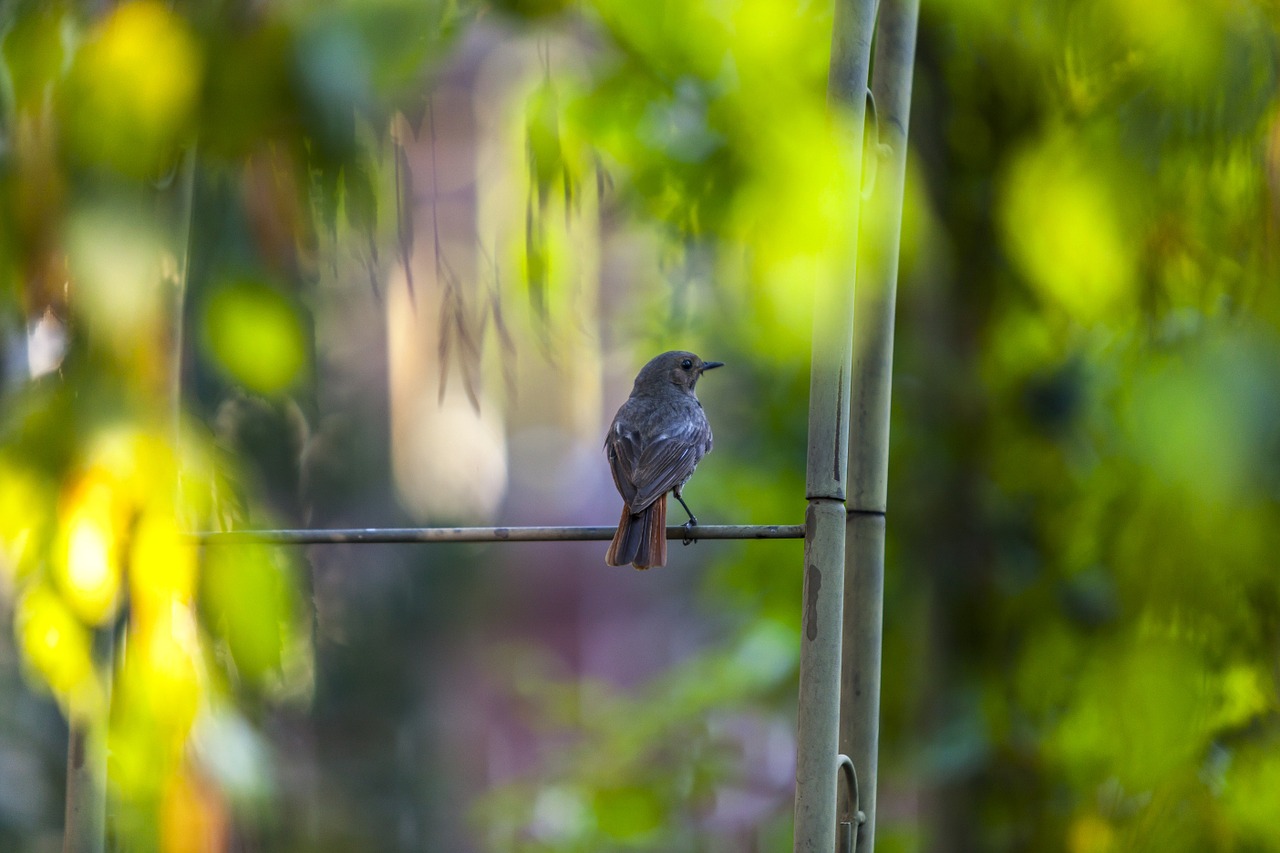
[248,597]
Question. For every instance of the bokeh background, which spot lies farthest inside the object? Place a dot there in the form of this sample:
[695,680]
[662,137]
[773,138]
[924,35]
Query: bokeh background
[389,263]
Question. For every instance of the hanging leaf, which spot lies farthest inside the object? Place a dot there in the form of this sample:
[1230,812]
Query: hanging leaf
[542,136]
[402,136]
[360,205]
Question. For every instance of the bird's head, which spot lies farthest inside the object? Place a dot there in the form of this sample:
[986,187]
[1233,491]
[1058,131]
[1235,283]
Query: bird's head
[677,368]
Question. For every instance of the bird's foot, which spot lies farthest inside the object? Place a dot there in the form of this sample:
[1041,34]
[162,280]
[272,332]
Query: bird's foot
[688,529]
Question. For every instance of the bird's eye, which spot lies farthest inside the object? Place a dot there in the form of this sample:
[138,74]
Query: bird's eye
[687,364]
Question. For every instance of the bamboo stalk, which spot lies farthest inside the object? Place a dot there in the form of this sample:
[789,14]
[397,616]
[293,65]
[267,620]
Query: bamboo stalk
[392,535]
[85,809]
[817,718]
[869,425]
[85,806]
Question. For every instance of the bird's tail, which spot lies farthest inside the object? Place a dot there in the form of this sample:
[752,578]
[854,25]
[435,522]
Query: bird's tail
[641,539]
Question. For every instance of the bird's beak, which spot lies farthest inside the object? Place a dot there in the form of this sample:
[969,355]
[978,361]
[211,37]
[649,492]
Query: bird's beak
[711,365]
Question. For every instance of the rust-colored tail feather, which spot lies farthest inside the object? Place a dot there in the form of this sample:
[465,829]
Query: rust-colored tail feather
[641,539]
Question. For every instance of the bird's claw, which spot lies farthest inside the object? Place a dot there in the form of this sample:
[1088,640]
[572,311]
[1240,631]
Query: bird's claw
[688,528]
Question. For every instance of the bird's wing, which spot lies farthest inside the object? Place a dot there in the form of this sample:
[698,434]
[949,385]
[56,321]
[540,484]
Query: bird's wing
[668,460]
[623,447]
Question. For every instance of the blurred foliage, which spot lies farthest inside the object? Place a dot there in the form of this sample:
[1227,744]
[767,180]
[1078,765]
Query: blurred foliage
[1083,617]
[1082,644]
[165,167]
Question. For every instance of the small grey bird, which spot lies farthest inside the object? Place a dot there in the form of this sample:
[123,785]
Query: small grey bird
[656,440]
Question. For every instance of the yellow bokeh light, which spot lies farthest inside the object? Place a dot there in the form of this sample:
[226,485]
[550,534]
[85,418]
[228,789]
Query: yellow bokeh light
[23,507]
[167,673]
[135,87]
[89,568]
[162,566]
[795,216]
[139,464]
[89,556]
[1062,227]
[141,39]
[59,647]
[158,692]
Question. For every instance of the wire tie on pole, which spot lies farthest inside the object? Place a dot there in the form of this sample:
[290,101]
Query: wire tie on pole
[848,835]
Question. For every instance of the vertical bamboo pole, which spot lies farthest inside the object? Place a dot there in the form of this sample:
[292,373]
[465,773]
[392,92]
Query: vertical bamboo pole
[85,815]
[869,422]
[85,806]
[817,724]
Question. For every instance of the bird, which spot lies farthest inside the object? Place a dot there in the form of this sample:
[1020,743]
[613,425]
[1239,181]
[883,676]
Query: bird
[658,437]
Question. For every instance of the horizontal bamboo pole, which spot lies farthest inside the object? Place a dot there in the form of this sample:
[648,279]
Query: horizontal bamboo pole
[402,535]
